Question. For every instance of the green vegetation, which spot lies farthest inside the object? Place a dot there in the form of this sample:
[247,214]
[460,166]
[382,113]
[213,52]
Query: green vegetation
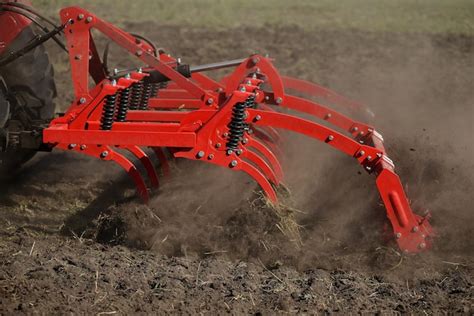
[427,16]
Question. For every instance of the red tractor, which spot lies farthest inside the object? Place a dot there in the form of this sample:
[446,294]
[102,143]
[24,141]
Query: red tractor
[174,109]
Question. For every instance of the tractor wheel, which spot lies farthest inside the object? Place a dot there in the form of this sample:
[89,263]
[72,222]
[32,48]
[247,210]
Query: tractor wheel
[30,90]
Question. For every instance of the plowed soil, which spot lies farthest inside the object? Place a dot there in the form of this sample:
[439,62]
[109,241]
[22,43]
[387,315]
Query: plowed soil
[74,238]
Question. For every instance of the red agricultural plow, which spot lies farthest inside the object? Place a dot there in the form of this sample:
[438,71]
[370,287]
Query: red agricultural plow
[174,108]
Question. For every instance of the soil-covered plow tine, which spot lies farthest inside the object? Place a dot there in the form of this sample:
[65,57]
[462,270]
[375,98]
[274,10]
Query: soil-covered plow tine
[403,220]
[108,154]
[323,93]
[269,155]
[164,164]
[146,162]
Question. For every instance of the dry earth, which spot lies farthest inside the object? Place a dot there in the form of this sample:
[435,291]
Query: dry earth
[75,239]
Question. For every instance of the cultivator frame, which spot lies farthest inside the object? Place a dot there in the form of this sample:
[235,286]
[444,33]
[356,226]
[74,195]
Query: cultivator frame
[231,123]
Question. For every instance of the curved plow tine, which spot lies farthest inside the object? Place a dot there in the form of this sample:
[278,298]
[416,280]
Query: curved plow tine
[269,155]
[318,91]
[322,112]
[410,230]
[164,164]
[262,165]
[222,160]
[108,154]
[146,162]
[260,134]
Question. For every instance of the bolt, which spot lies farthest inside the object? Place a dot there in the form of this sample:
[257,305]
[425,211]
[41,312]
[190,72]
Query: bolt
[255,60]
[80,16]
[415,229]
[210,157]
[422,245]
[249,83]
[178,60]
[379,155]
[140,70]
[210,101]
[104,154]
[113,82]
[328,116]
[115,71]
[229,152]
[368,168]
[369,158]
[72,146]
[279,100]
[361,153]
[78,57]
[355,129]
[239,152]
[200,154]
[398,235]
[361,133]
[245,141]
[361,141]
[83,147]
[225,134]
[82,100]
[258,118]
[257,70]
[89,19]
[330,138]
[233,163]
[242,89]
[254,76]
[139,53]
[218,145]
[219,90]
[127,76]
[267,98]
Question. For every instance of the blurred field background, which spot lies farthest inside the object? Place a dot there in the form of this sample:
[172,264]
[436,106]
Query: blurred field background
[420,16]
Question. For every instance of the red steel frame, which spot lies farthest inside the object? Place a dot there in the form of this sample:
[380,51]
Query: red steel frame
[190,117]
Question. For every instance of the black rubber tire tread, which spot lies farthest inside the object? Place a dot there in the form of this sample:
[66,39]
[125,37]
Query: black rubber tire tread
[30,79]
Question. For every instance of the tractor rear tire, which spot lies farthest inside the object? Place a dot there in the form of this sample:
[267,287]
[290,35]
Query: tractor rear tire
[31,89]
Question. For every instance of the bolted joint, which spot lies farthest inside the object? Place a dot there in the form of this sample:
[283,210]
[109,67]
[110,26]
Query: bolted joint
[233,163]
[210,157]
[398,235]
[278,100]
[210,101]
[72,146]
[89,19]
[200,154]
[104,154]
[255,60]
[258,117]
[330,138]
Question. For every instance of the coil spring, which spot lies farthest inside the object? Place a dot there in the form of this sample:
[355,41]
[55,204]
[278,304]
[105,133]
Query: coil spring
[123,105]
[108,112]
[136,95]
[146,95]
[236,125]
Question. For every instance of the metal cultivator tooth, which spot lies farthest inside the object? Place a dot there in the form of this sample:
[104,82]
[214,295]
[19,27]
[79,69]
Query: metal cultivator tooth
[230,123]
